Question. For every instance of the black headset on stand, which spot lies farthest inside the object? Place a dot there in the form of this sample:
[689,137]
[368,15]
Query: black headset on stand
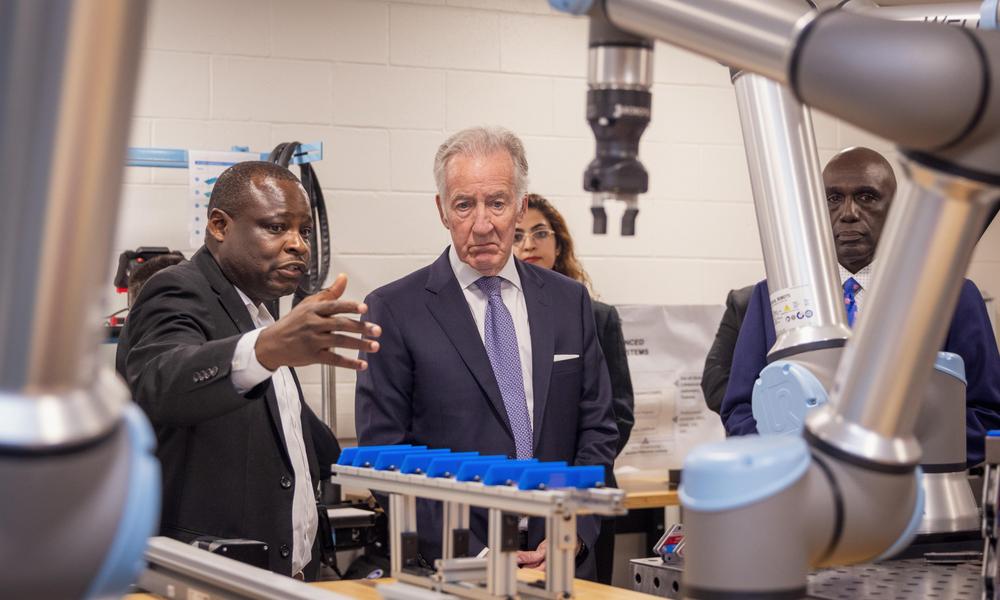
[319,240]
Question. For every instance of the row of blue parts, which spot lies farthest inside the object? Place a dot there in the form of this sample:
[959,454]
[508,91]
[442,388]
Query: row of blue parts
[496,469]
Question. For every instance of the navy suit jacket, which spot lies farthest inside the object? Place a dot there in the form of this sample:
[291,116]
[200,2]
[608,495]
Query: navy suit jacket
[970,336]
[431,382]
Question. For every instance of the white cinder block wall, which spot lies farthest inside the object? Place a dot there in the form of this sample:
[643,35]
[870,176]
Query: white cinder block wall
[382,83]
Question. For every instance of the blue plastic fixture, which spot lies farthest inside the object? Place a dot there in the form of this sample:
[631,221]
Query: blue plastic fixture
[476,471]
[548,476]
[448,466]
[416,464]
[509,473]
[367,455]
[347,455]
[392,460]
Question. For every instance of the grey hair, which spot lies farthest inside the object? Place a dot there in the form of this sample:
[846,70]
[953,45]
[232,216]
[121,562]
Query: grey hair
[482,141]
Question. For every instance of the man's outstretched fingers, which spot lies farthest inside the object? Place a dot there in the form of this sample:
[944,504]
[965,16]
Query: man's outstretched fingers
[337,360]
[331,324]
[352,343]
[327,308]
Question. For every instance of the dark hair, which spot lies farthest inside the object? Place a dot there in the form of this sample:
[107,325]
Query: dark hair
[144,271]
[230,191]
[566,261]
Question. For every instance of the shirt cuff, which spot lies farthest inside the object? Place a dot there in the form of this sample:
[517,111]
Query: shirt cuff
[247,372]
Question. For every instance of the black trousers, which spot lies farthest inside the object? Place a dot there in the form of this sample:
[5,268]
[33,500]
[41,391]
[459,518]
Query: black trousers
[604,551]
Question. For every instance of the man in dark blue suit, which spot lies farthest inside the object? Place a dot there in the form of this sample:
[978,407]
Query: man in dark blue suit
[481,352]
[860,186]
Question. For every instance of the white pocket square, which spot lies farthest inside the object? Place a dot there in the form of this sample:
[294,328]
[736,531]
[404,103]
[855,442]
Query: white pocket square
[562,357]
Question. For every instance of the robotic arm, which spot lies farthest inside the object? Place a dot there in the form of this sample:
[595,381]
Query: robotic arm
[789,43]
[81,484]
[861,444]
[619,102]
[824,57]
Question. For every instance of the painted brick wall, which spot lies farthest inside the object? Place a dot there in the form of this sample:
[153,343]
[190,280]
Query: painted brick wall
[382,83]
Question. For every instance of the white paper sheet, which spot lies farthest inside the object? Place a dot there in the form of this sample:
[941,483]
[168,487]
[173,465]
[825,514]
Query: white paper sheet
[666,348]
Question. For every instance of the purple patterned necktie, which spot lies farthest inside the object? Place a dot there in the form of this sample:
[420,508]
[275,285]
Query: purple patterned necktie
[501,346]
[851,289]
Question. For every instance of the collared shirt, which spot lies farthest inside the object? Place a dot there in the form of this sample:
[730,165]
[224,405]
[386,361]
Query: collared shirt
[864,279]
[247,372]
[512,295]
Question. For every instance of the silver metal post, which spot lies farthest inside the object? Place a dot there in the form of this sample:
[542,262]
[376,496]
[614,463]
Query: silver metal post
[560,558]
[68,72]
[502,566]
[67,432]
[757,35]
[403,519]
[620,67]
[925,250]
[792,216]
[455,515]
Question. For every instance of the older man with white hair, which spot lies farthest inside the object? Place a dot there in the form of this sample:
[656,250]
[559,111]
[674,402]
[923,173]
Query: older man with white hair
[481,352]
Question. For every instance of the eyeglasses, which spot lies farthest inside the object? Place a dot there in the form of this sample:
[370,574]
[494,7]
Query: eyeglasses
[539,235]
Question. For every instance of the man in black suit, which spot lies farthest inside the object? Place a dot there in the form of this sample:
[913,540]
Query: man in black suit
[719,360]
[241,450]
[486,353]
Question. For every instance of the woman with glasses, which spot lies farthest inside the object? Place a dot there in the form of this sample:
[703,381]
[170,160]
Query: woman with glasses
[542,239]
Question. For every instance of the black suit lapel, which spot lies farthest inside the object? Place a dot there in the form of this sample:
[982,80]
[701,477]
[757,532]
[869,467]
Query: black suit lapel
[228,296]
[231,302]
[451,311]
[542,342]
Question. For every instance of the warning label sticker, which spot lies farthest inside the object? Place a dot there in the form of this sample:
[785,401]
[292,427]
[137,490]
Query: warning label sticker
[792,308]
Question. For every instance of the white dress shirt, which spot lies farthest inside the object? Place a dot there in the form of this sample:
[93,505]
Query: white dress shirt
[864,278]
[512,295]
[247,372]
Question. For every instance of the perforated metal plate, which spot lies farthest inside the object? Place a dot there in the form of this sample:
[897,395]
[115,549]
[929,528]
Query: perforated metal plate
[913,579]
[898,580]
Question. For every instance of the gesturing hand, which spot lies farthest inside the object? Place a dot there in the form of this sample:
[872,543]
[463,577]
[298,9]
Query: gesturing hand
[309,333]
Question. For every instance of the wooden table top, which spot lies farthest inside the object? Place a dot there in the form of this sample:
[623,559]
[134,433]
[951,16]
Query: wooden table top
[647,491]
[364,589]
[583,590]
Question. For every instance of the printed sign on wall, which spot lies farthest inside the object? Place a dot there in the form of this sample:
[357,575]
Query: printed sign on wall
[204,168]
[666,348]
